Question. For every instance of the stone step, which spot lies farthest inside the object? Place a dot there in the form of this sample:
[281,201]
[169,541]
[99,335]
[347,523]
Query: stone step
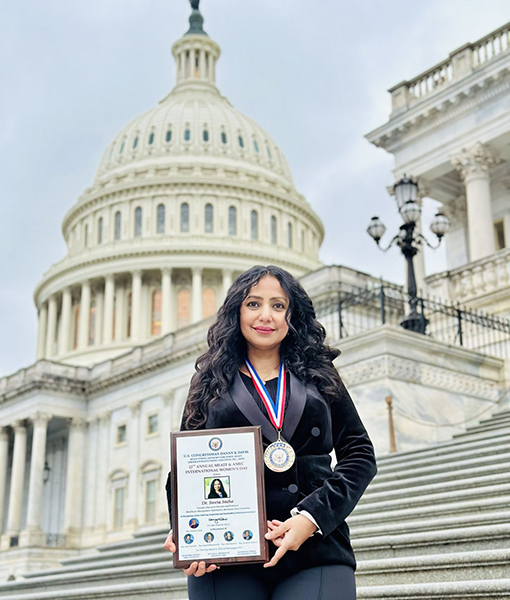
[412,488]
[398,523]
[452,590]
[472,468]
[464,566]
[159,589]
[492,426]
[456,539]
[460,461]
[444,449]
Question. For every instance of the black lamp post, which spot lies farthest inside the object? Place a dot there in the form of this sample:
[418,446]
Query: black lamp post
[405,193]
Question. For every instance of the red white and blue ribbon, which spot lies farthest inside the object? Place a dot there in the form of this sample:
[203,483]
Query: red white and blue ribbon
[275,408]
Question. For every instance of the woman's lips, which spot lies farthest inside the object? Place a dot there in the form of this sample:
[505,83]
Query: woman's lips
[264,330]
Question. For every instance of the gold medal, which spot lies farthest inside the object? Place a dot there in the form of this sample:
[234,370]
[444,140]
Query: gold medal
[279,456]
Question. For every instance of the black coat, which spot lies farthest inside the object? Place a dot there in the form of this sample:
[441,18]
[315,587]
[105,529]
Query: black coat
[314,428]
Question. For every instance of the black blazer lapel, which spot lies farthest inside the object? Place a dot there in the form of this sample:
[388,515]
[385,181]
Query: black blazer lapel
[295,408]
[245,403]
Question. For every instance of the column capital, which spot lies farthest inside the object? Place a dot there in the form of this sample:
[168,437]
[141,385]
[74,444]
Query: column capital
[136,273]
[166,270]
[77,423]
[104,417]
[41,418]
[4,432]
[197,270]
[134,407]
[109,277]
[475,161]
[19,425]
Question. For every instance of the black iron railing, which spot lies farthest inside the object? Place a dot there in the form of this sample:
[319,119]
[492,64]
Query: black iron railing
[356,311]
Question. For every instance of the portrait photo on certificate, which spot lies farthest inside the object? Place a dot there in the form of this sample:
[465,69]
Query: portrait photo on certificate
[218,507]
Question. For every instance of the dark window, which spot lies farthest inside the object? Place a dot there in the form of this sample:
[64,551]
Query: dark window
[268,152]
[117,225]
[273,230]
[151,139]
[289,235]
[187,135]
[121,148]
[185,217]
[138,222]
[256,146]
[135,143]
[241,141]
[209,215]
[205,135]
[232,220]
[161,219]
[100,230]
[223,137]
[254,225]
[499,230]
[169,135]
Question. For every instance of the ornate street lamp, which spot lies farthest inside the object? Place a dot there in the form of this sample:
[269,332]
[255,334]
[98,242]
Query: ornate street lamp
[408,241]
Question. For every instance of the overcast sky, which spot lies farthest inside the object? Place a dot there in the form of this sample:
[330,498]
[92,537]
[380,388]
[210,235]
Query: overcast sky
[313,73]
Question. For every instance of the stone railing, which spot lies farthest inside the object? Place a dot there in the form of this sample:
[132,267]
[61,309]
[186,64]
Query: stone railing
[461,63]
[474,280]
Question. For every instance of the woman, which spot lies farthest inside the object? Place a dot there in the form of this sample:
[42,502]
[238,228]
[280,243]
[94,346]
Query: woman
[217,490]
[265,347]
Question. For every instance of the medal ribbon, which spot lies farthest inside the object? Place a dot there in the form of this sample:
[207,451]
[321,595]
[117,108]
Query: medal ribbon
[275,408]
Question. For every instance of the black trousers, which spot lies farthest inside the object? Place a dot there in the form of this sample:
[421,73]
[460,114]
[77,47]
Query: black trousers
[331,582]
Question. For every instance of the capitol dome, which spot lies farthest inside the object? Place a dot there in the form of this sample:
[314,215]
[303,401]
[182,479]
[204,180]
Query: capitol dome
[187,196]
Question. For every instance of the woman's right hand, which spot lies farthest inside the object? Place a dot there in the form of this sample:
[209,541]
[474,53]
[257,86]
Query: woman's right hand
[196,569]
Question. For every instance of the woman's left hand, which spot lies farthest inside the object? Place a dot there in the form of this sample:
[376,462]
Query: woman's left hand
[288,535]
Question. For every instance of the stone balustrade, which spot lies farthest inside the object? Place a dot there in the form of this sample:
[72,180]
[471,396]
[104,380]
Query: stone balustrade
[474,280]
[461,63]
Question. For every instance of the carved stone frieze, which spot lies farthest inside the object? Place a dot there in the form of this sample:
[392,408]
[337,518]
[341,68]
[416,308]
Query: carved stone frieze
[421,374]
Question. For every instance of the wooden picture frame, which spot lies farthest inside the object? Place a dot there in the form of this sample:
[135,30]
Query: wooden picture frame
[218,499]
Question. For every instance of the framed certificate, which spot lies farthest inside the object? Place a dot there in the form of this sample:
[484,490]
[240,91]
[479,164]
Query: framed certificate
[218,500]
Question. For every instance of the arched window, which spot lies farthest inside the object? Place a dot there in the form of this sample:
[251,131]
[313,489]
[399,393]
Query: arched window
[168,136]
[302,240]
[241,141]
[156,313]
[254,225]
[150,501]
[273,230]
[205,135]
[100,230]
[160,226]
[209,215]
[117,225]
[129,306]
[256,146]
[208,303]
[92,323]
[151,139]
[86,237]
[232,220]
[289,235]
[183,308]
[138,221]
[122,147]
[185,217]
[187,135]
[268,152]
[135,143]
[223,137]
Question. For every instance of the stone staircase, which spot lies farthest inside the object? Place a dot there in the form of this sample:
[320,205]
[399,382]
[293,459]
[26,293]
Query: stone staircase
[434,524]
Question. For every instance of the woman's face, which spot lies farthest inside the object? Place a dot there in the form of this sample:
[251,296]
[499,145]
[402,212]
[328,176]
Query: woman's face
[262,316]
[217,486]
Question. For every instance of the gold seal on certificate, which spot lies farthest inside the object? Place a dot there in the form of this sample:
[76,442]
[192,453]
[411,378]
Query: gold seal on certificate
[218,506]
[279,456]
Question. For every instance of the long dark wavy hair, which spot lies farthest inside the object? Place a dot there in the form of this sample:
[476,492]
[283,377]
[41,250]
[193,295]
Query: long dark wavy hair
[303,349]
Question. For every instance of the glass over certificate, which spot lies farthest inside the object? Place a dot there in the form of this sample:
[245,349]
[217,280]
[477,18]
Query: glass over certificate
[218,501]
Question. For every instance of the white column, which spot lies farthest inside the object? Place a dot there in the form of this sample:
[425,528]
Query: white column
[202,65]
[227,281]
[41,331]
[91,485]
[136,303]
[65,322]
[101,498]
[17,479]
[473,166]
[52,326]
[98,330]
[74,479]
[134,435]
[33,534]
[109,292]
[4,455]
[166,300]
[120,313]
[196,295]
[84,319]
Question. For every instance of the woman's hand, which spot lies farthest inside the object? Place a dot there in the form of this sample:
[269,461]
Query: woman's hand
[288,535]
[197,568]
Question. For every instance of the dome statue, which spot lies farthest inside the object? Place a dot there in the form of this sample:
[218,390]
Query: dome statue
[187,196]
